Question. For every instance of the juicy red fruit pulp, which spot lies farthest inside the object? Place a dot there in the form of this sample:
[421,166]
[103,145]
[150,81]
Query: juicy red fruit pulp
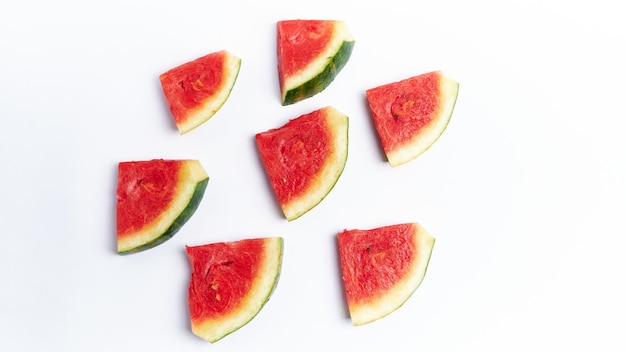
[294,153]
[145,190]
[374,261]
[189,85]
[413,106]
[301,41]
[222,275]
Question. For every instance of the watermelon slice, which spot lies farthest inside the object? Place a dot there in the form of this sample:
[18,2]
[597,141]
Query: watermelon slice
[411,114]
[196,90]
[310,55]
[304,158]
[155,198]
[382,268]
[230,283]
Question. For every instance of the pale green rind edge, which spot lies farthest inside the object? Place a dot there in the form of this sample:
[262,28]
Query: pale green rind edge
[211,107]
[177,224]
[425,252]
[321,80]
[419,283]
[450,90]
[272,287]
[294,212]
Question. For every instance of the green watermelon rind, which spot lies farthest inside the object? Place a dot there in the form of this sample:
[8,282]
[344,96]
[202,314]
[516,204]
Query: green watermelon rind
[269,284]
[177,224]
[321,80]
[319,74]
[420,143]
[208,108]
[171,220]
[449,91]
[383,306]
[333,169]
[392,307]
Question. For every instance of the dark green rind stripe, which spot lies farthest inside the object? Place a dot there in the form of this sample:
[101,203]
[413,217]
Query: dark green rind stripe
[184,216]
[322,80]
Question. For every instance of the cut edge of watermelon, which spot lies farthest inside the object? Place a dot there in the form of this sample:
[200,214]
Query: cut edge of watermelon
[213,330]
[321,72]
[189,192]
[208,109]
[328,177]
[448,92]
[392,300]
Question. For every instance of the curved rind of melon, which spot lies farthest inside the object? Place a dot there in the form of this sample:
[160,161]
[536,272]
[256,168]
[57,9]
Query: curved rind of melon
[322,183]
[189,194]
[419,143]
[375,308]
[209,107]
[326,180]
[321,72]
[260,291]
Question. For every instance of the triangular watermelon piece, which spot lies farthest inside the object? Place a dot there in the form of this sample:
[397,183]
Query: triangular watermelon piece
[230,283]
[304,158]
[196,90]
[382,267]
[155,198]
[310,55]
[411,114]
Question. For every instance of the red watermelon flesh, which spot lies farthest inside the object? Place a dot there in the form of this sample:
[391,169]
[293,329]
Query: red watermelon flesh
[304,158]
[382,267]
[310,54]
[154,198]
[302,41]
[411,114]
[230,283]
[196,90]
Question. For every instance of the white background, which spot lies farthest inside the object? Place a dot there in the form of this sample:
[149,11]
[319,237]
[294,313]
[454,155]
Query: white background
[525,191]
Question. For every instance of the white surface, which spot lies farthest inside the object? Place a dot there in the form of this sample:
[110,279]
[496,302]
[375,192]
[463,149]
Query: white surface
[525,191]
